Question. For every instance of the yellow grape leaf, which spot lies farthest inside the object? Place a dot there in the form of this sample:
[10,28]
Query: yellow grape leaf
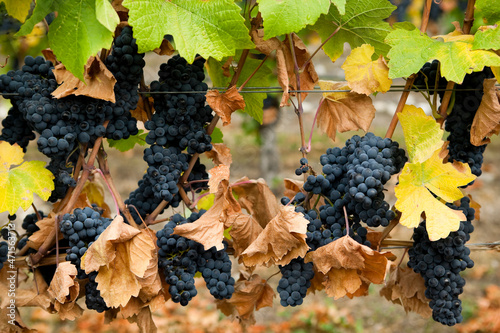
[205,202]
[18,9]
[364,75]
[17,185]
[422,133]
[496,72]
[414,196]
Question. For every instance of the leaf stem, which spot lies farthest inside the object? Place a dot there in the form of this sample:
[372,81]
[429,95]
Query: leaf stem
[319,48]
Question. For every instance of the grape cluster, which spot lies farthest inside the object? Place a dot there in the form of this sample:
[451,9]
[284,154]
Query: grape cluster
[440,263]
[459,122]
[181,258]
[81,229]
[165,166]
[296,279]
[180,116]
[304,167]
[29,225]
[16,129]
[426,78]
[354,176]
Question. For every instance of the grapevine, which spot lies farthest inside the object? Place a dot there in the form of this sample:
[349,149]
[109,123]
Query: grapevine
[187,228]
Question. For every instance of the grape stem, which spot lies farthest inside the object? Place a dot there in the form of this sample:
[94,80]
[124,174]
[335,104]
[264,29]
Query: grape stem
[49,241]
[117,209]
[37,213]
[346,222]
[120,205]
[411,79]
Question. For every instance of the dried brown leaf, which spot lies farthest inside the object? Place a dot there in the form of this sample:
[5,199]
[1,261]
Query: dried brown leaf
[292,187]
[103,251]
[151,281]
[244,230]
[342,112]
[257,198]
[63,286]
[407,288]
[99,82]
[208,230]
[477,208]
[117,5]
[226,103]
[30,296]
[217,174]
[348,267]
[165,48]
[487,119]
[140,113]
[45,225]
[249,296]
[144,321]
[49,55]
[12,322]
[283,239]
[220,154]
[96,195]
[68,311]
[122,256]
[285,63]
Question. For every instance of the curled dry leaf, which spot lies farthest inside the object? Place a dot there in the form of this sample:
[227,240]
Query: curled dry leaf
[144,108]
[344,111]
[49,55]
[63,286]
[96,194]
[285,62]
[220,154]
[217,174]
[165,48]
[122,256]
[249,296]
[487,119]
[244,230]
[364,75]
[226,103]
[208,230]
[45,226]
[407,288]
[257,198]
[283,239]
[348,267]
[99,82]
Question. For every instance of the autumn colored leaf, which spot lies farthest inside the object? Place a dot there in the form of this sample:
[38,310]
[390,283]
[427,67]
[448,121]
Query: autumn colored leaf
[422,134]
[477,208]
[220,154]
[244,230]
[96,195]
[99,82]
[65,291]
[217,174]
[407,288]
[249,296]
[343,111]
[144,108]
[45,227]
[208,230]
[283,239]
[348,267]
[257,198]
[285,62]
[17,185]
[165,48]
[364,75]
[226,103]
[27,295]
[419,182]
[487,119]
[121,255]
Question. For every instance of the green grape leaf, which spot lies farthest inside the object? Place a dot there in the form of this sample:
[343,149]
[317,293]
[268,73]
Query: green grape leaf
[106,14]
[363,23]
[217,136]
[75,35]
[286,16]
[209,28]
[411,49]
[18,9]
[124,145]
[488,39]
[18,184]
[254,101]
[489,10]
